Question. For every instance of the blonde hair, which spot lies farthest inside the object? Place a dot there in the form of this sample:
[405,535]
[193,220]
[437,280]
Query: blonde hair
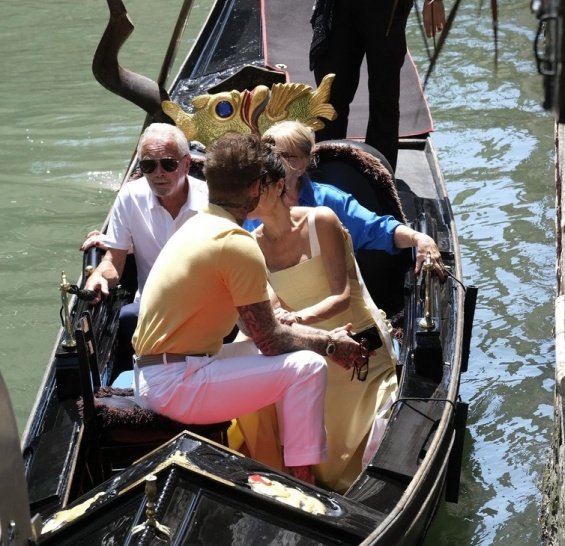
[291,136]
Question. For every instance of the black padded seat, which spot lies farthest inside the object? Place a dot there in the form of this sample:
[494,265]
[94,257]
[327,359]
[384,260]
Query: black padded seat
[121,420]
[363,172]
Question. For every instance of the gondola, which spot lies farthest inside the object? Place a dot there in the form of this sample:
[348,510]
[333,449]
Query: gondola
[187,486]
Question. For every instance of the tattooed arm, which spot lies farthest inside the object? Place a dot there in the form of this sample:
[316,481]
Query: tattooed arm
[273,338]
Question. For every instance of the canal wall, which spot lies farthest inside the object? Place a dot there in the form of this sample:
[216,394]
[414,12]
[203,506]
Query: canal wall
[553,501]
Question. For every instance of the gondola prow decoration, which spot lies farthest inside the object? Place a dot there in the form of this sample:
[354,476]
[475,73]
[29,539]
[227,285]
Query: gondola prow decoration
[66,288]
[253,111]
[160,530]
[427,322]
[68,341]
[428,350]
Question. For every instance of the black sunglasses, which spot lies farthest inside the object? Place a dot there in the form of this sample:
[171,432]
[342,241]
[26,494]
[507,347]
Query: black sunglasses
[363,370]
[169,164]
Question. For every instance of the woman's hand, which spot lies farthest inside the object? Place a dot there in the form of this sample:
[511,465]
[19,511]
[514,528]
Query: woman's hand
[286,317]
[425,246]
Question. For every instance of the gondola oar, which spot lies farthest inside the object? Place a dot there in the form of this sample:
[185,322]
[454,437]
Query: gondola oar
[174,42]
[172,50]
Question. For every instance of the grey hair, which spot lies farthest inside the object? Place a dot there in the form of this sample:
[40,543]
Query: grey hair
[167,132]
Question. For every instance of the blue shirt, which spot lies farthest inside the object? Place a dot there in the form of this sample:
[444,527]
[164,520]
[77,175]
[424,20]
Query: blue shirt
[368,230]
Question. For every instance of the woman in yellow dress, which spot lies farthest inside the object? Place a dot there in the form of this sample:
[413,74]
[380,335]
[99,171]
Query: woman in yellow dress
[313,273]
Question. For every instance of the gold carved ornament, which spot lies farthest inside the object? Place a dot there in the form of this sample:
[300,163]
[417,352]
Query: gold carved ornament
[253,111]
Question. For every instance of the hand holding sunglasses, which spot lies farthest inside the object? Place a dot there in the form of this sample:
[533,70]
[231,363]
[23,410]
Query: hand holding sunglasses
[362,370]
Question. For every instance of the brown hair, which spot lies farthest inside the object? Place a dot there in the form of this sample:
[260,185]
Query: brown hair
[275,165]
[233,162]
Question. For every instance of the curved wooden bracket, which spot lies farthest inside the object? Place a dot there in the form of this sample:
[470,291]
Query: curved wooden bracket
[138,89]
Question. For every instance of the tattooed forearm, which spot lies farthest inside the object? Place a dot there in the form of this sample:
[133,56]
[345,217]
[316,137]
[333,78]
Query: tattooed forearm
[295,338]
[273,338]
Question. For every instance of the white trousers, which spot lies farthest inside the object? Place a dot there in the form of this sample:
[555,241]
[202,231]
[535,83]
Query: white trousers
[237,381]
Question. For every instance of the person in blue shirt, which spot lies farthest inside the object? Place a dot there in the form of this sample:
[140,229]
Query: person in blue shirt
[368,230]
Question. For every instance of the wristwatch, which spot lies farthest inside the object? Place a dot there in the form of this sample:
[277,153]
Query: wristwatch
[330,347]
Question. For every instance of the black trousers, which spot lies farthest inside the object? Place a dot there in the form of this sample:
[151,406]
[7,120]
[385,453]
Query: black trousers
[359,29]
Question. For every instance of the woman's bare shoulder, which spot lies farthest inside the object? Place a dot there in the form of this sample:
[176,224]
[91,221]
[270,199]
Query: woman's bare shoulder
[326,216]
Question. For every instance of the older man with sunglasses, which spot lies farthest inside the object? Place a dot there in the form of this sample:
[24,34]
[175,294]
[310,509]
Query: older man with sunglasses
[144,216]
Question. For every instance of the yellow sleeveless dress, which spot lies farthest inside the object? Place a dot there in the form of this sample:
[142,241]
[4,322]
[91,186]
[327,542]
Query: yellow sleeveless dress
[351,406]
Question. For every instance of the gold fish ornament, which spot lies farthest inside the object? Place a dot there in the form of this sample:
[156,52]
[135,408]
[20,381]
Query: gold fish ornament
[253,111]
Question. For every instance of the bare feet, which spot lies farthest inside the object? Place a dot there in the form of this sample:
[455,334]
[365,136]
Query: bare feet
[303,473]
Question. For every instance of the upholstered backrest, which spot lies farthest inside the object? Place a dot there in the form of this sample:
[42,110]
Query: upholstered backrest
[362,171]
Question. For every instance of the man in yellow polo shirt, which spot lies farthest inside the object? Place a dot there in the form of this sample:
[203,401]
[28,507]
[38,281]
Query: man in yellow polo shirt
[210,274]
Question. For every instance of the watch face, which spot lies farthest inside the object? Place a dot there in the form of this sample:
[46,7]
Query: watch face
[330,348]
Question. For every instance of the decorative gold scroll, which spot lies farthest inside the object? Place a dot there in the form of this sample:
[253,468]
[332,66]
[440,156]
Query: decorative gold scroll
[253,111]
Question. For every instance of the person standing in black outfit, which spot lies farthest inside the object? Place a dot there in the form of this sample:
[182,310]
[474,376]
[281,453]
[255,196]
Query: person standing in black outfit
[344,33]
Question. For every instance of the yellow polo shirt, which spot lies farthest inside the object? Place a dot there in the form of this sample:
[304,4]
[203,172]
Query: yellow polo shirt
[207,269]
